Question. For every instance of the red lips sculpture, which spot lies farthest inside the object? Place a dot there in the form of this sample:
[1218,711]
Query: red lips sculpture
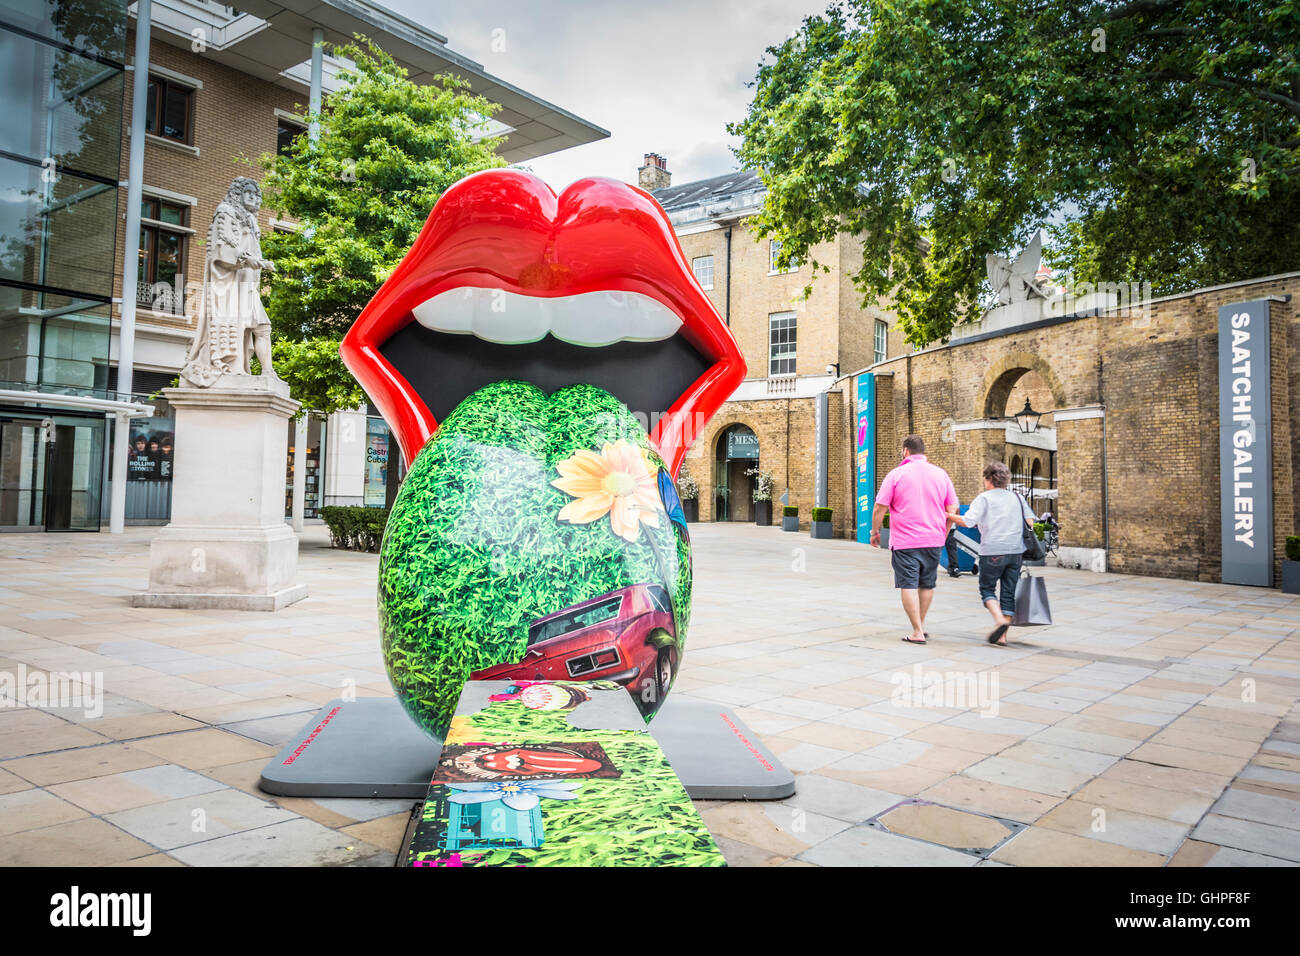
[506,229]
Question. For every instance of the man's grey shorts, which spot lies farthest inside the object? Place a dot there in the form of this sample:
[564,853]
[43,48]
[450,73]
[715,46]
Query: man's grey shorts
[916,567]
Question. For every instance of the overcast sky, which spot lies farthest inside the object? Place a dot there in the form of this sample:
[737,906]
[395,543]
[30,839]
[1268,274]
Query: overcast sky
[664,76]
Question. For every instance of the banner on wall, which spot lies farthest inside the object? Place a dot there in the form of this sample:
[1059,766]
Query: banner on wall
[376,463]
[1245,444]
[866,454]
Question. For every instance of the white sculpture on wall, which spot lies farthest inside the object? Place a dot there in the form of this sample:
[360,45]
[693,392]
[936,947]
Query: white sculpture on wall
[1017,281]
[233,326]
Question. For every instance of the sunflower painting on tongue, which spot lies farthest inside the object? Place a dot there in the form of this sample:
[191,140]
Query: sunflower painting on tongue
[537,535]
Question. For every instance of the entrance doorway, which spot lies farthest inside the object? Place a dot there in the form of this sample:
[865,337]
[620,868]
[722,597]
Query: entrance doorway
[50,473]
[733,490]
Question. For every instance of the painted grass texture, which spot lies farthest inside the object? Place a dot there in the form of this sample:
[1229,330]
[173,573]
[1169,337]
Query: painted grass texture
[474,550]
[643,818]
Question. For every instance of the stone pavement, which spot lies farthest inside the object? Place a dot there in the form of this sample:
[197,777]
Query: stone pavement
[1154,724]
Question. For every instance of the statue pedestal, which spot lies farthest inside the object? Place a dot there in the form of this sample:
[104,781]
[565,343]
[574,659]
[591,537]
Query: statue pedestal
[227,545]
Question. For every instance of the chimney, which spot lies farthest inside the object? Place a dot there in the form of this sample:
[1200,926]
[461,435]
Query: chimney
[654,173]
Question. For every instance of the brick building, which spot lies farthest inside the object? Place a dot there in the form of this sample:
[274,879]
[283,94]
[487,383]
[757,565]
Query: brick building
[1131,441]
[226,85]
[1125,452]
[795,348]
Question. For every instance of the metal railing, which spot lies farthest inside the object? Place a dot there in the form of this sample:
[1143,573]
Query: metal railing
[160,297]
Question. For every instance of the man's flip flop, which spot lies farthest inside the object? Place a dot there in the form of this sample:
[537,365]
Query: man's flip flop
[908,640]
[995,635]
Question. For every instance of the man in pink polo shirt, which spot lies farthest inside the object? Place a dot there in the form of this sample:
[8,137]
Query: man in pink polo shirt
[917,496]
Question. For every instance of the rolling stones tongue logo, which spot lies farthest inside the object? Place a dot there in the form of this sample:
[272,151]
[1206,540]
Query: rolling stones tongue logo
[533,762]
[515,762]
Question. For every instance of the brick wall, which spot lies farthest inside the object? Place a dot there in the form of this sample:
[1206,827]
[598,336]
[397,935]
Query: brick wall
[1156,373]
[233,119]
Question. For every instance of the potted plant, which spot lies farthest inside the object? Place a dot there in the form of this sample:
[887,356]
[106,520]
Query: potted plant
[762,496]
[1291,566]
[821,522]
[790,518]
[884,532]
[688,489]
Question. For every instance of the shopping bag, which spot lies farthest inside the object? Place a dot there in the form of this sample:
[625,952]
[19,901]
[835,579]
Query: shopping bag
[1032,608]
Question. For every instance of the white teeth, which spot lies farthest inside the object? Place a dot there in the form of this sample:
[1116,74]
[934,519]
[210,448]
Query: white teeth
[591,319]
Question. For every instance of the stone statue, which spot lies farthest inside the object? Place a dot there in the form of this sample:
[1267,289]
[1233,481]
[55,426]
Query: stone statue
[231,318]
[1017,281]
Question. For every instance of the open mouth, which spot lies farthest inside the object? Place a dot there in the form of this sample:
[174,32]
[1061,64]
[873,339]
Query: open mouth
[507,280]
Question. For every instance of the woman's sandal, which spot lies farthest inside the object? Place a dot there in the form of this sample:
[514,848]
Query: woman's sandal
[908,640]
[995,635]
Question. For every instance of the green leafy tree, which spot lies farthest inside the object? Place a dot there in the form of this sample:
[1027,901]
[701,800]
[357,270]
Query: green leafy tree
[1159,140]
[388,148]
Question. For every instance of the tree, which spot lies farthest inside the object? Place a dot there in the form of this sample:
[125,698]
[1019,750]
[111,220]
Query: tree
[388,148]
[1159,139]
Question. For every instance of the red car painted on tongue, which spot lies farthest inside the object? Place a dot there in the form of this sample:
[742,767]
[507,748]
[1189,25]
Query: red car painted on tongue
[627,636]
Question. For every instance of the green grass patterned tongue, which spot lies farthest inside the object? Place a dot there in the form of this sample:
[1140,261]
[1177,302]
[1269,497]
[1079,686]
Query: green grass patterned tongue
[520,506]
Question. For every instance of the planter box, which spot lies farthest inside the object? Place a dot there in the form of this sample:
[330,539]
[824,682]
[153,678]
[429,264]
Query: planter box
[821,529]
[763,513]
[1291,577]
[691,508]
[884,538]
[789,522]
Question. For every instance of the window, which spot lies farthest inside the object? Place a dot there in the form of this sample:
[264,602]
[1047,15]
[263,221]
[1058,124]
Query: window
[660,599]
[574,621]
[773,250]
[882,339]
[285,131]
[781,326]
[703,267]
[169,109]
[162,256]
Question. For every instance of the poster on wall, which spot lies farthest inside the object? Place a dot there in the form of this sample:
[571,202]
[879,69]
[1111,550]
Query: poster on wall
[866,454]
[149,457]
[376,493]
[1245,444]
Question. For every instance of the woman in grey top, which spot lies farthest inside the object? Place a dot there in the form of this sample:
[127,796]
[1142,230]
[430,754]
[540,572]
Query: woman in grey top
[1000,514]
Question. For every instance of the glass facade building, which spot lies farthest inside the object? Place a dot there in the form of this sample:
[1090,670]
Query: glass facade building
[62,65]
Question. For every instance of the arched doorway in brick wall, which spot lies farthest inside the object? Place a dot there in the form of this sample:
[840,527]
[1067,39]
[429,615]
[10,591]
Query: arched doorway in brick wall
[736,452]
[1031,457]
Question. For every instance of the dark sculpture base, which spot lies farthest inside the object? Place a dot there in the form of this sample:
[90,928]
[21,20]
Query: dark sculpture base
[369,748]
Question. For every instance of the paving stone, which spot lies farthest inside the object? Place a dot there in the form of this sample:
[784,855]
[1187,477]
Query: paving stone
[200,749]
[998,800]
[1098,822]
[864,846]
[951,828]
[79,843]
[1248,835]
[80,764]
[1195,853]
[1246,805]
[33,809]
[134,788]
[836,798]
[295,842]
[1149,801]
[1039,846]
[197,818]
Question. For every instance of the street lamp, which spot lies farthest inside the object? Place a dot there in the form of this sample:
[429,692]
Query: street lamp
[1027,419]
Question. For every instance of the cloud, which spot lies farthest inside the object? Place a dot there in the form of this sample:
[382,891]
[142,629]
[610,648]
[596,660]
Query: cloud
[663,78]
